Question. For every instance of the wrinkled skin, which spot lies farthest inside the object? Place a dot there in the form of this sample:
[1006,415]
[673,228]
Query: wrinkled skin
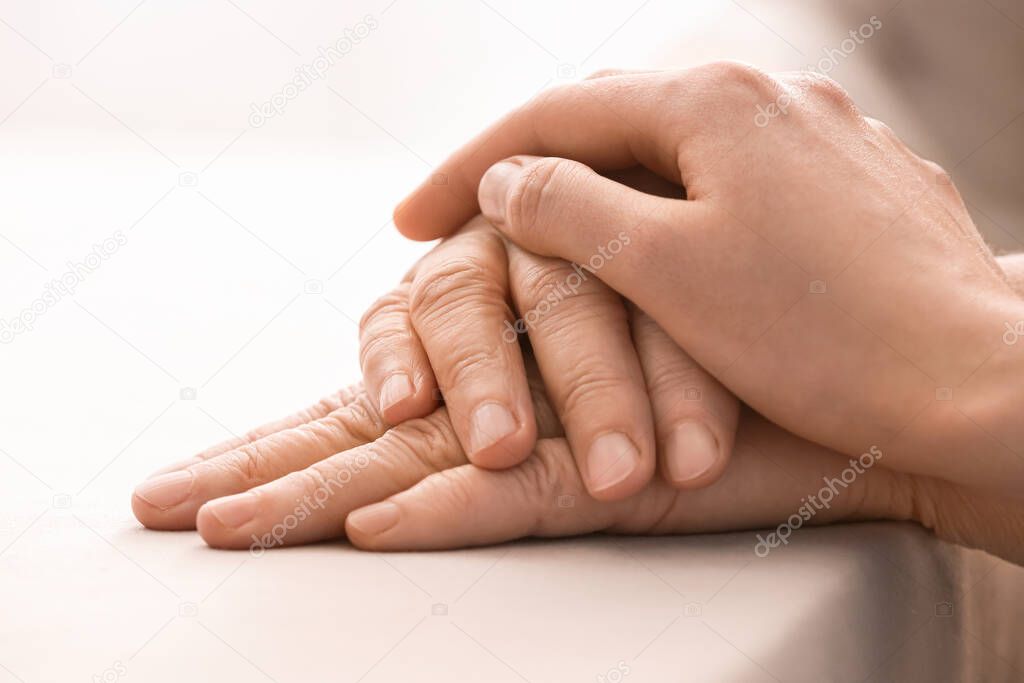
[442,501]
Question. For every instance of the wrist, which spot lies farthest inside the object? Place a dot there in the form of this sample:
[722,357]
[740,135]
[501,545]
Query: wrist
[992,397]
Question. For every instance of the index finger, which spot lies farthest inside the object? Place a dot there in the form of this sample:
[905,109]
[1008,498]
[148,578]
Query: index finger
[608,123]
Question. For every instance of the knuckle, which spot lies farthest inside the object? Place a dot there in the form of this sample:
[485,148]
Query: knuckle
[258,433]
[935,169]
[317,476]
[828,90]
[571,321]
[468,366]
[429,443]
[547,471]
[880,127]
[682,393]
[592,382]
[739,77]
[676,378]
[330,403]
[453,286]
[552,284]
[540,278]
[384,343]
[251,462]
[393,303]
[451,487]
[528,197]
[546,475]
[359,419]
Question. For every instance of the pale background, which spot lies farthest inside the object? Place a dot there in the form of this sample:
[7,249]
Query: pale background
[246,286]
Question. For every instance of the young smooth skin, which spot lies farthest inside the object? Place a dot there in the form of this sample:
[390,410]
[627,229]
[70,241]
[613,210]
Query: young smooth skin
[412,487]
[828,276]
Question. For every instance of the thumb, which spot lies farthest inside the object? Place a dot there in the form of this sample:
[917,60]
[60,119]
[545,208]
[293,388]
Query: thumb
[558,207]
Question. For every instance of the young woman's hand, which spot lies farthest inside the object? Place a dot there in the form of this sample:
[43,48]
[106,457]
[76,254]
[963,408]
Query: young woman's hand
[817,267]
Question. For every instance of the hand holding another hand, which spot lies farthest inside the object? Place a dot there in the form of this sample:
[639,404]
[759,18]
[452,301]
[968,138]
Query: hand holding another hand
[816,267]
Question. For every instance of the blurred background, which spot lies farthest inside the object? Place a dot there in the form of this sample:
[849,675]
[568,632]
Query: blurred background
[247,225]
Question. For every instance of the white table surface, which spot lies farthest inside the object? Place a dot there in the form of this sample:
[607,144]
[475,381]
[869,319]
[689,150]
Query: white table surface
[211,293]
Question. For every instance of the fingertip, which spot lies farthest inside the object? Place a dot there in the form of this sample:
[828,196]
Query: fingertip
[222,522]
[404,220]
[402,398]
[209,528]
[431,212]
[498,439]
[693,456]
[148,515]
[164,501]
[369,527]
[615,467]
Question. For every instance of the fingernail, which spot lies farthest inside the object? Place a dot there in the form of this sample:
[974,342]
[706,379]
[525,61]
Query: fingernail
[494,188]
[611,459]
[167,490]
[374,519]
[491,422]
[396,389]
[692,451]
[233,511]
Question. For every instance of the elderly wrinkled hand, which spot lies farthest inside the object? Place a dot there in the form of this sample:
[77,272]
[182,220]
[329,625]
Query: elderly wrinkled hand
[336,470]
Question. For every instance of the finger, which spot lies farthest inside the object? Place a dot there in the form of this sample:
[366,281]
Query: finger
[460,312]
[556,207]
[608,123]
[395,366]
[695,416]
[469,506]
[319,409]
[778,478]
[170,501]
[580,337]
[311,504]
